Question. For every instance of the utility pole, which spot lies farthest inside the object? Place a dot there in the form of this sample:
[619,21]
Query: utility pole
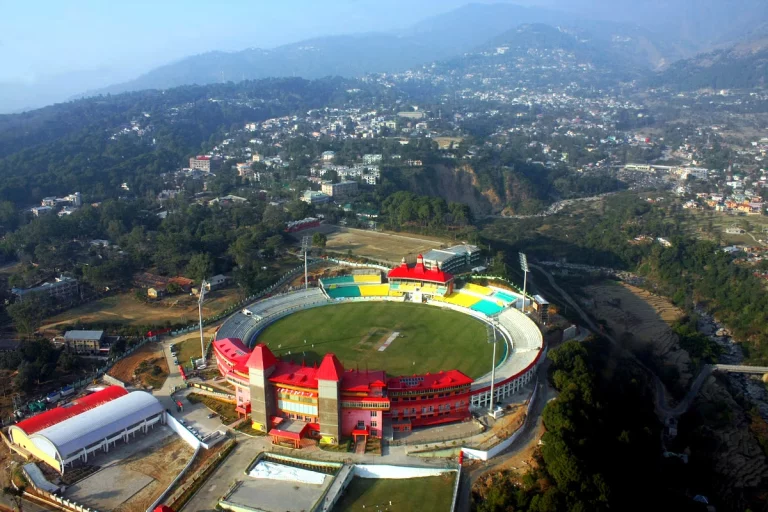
[524,268]
[306,243]
[493,365]
[200,300]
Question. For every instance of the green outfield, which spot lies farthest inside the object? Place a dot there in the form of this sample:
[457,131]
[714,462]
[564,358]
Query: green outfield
[431,339]
[425,494]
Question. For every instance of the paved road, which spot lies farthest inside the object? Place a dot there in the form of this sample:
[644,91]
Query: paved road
[523,442]
[741,368]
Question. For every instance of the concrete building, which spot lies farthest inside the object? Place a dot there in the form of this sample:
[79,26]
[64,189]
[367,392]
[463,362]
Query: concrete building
[205,163]
[452,258]
[328,156]
[372,158]
[64,288]
[340,190]
[39,211]
[83,342]
[291,401]
[312,197]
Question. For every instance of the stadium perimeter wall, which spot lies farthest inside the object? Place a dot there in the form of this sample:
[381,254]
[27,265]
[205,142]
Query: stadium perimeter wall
[503,445]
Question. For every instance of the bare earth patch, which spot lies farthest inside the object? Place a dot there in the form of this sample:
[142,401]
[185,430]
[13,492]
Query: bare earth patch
[641,320]
[130,369]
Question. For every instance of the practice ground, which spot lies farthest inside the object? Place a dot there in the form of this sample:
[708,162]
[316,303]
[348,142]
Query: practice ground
[125,309]
[427,494]
[378,245]
[432,338]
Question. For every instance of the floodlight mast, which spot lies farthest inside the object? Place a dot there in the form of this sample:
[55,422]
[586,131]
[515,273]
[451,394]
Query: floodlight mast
[200,300]
[493,365]
[306,243]
[524,268]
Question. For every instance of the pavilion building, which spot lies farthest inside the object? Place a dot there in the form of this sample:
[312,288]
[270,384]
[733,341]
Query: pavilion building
[291,401]
[419,282]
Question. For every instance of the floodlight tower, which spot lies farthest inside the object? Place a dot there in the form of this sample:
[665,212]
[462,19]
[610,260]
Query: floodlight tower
[524,268]
[306,243]
[493,365]
[200,300]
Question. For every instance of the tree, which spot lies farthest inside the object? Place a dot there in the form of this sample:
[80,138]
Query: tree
[319,240]
[69,362]
[28,314]
[199,267]
[274,218]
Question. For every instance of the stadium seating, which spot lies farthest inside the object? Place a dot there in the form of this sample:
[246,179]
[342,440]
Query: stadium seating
[505,297]
[462,299]
[481,290]
[337,280]
[343,292]
[242,326]
[487,307]
[367,278]
[374,290]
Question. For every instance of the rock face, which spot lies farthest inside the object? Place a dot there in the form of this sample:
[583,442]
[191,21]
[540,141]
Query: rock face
[738,462]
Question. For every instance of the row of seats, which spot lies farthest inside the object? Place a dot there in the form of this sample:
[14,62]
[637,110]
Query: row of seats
[367,278]
[241,325]
[476,288]
[462,299]
[487,307]
[375,290]
[525,333]
[343,292]
[506,297]
[328,281]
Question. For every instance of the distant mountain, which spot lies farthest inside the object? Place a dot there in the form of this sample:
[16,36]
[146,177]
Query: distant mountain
[738,67]
[435,38]
[439,37]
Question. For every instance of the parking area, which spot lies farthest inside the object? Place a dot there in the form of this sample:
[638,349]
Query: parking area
[196,417]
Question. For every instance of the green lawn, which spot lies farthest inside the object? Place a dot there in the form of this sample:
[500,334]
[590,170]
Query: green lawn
[188,349]
[426,494]
[433,339]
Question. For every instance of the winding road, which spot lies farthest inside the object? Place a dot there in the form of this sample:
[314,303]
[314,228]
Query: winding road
[663,410]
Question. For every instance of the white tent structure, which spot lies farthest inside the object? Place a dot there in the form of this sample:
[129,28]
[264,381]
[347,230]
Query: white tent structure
[79,437]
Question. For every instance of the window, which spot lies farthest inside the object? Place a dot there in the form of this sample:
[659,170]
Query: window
[374,423]
[373,414]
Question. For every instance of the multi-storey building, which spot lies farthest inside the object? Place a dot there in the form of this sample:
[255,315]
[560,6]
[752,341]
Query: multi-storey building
[290,400]
[204,163]
[62,289]
[339,190]
[452,258]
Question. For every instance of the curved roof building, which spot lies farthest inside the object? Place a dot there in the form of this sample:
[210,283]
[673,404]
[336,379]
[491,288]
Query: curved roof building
[78,437]
[53,416]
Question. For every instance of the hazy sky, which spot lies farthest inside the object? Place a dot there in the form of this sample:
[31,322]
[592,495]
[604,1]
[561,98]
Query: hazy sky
[42,38]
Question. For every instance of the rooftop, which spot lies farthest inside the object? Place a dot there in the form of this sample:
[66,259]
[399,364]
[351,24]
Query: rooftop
[419,272]
[83,335]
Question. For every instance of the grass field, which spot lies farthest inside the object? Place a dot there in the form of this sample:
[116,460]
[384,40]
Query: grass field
[432,338]
[379,245]
[426,494]
[125,309]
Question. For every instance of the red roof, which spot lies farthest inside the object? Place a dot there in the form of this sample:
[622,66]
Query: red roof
[234,352]
[419,272]
[330,368]
[53,416]
[427,381]
[360,382]
[293,374]
[261,358]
